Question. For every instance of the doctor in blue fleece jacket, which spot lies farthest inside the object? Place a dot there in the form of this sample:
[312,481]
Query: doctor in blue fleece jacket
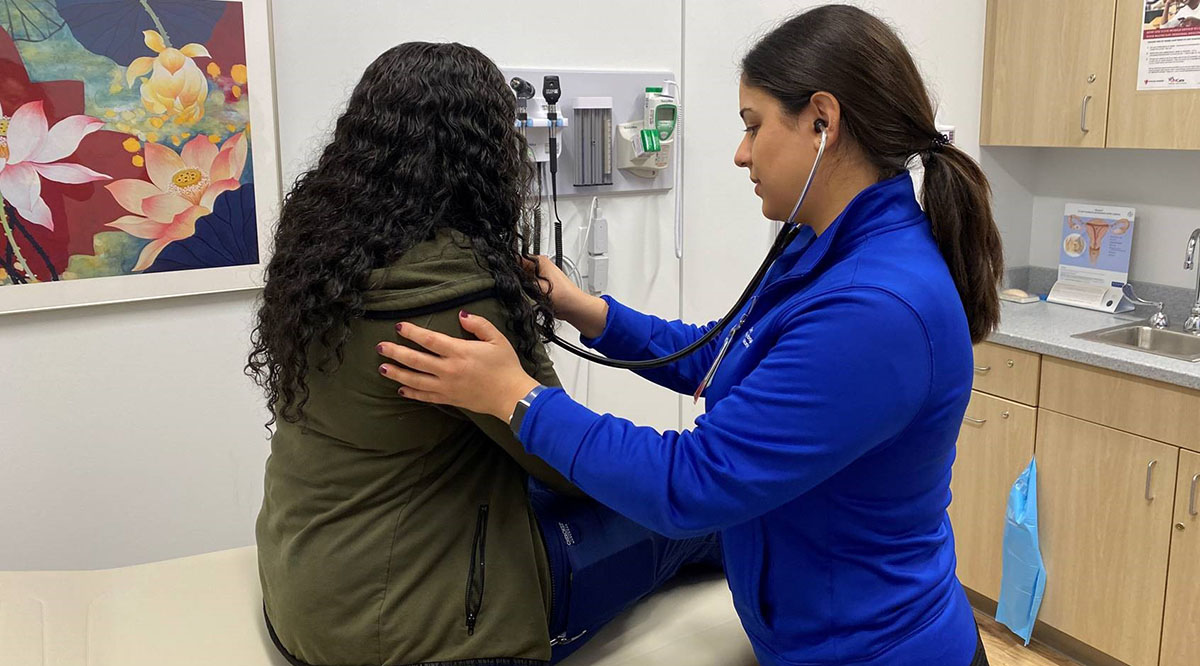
[825,452]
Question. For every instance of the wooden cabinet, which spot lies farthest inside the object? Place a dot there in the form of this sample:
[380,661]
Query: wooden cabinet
[995,444]
[1065,74]
[1143,407]
[1007,373]
[1149,118]
[1181,621]
[1118,501]
[1105,503]
[1046,73]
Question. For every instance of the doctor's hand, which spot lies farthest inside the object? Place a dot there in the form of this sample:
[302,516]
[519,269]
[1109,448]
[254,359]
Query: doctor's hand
[483,376]
[587,313]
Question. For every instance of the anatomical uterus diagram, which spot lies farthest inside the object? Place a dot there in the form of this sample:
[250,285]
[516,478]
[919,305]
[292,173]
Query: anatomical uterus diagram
[1096,230]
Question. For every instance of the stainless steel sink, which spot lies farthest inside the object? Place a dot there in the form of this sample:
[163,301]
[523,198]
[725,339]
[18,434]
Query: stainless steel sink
[1139,336]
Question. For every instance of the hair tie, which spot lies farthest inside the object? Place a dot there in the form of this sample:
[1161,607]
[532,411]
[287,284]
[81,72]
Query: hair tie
[937,142]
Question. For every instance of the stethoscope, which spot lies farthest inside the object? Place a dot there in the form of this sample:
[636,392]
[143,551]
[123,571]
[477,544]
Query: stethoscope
[786,234]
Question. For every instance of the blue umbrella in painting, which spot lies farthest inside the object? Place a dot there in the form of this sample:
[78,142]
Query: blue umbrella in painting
[114,28]
[226,237]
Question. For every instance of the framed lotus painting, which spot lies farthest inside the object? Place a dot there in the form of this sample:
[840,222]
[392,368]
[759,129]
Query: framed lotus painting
[138,154]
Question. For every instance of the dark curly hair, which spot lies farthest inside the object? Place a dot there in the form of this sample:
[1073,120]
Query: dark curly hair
[427,142]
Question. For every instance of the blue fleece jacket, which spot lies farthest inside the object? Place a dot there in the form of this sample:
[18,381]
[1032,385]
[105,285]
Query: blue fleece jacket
[825,450]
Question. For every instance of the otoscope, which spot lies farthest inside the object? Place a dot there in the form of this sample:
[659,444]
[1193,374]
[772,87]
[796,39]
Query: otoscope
[552,92]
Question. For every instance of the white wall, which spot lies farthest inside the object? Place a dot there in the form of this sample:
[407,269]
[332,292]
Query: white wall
[1159,184]
[129,434]
[312,85]
[1011,172]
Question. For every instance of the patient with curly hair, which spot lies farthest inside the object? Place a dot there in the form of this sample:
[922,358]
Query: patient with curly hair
[397,532]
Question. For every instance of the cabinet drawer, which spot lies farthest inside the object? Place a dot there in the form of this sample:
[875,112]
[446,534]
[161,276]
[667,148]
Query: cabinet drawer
[1007,372]
[994,446]
[1143,407]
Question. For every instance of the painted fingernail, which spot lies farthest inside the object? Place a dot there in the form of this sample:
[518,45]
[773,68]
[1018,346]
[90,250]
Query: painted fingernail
[400,327]
[383,369]
[463,314]
[379,348]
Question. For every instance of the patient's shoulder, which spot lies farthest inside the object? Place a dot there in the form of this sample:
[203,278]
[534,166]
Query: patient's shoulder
[443,269]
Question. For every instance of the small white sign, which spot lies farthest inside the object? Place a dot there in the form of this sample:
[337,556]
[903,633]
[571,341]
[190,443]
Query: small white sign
[1094,253]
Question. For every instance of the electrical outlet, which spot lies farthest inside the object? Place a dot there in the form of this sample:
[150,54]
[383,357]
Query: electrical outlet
[597,274]
[598,240]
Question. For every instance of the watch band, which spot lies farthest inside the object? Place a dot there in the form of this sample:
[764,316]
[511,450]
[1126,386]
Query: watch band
[518,415]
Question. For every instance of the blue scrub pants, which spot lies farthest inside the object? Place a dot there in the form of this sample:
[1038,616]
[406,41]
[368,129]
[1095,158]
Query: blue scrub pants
[602,563]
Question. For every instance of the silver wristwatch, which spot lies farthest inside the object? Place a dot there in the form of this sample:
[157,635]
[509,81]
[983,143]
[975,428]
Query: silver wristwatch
[518,415]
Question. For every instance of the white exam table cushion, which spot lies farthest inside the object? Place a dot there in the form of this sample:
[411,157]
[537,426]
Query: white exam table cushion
[206,610]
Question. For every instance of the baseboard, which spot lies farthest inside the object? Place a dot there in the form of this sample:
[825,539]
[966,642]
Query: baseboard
[1043,633]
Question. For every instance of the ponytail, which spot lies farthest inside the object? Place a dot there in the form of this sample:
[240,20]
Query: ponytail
[887,112]
[958,201]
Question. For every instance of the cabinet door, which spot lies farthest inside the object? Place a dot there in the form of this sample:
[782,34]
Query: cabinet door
[1045,73]
[1150,118]
[1181,623]
[995,444]
[1104,543]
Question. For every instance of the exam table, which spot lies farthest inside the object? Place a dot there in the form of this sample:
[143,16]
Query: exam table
[206,610]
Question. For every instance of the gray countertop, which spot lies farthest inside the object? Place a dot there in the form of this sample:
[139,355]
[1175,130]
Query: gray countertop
[1046,328]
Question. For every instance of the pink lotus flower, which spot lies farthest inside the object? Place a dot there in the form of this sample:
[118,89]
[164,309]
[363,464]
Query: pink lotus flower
[29,148]
[181,190]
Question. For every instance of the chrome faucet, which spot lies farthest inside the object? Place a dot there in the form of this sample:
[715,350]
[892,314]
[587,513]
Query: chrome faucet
[1158,319]
[1192,325]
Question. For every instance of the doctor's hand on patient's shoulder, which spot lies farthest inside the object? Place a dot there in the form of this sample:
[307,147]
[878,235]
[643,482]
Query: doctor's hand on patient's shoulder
[587,313]
[482,375]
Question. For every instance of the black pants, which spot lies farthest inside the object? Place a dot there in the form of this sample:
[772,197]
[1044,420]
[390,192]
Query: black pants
[980,656]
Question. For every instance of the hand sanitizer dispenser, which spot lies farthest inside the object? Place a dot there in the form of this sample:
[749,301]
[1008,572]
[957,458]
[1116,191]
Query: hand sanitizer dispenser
[644,146]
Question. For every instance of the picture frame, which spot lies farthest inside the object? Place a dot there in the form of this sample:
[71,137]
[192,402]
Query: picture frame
[213,258]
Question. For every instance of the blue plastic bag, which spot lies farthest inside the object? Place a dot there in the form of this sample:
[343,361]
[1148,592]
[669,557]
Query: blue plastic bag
[1023,579]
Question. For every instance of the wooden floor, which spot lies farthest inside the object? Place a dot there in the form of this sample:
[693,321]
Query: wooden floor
[1005,649]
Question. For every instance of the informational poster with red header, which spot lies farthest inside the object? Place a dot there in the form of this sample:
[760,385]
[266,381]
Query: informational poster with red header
[1170,46]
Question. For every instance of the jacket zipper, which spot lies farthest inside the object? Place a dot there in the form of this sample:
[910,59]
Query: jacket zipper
[562,639]
[712,370]
[475,576]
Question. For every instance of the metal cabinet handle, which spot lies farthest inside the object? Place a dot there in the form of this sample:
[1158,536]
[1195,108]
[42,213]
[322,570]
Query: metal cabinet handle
[1004,414]
[1010,363]
[1083,114]
[1192,496]
[975,421]
[1149,476]
[983,369]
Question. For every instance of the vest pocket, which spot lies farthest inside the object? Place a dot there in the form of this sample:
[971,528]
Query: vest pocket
[475,574]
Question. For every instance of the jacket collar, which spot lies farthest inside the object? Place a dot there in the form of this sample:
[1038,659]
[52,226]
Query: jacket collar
[885,205]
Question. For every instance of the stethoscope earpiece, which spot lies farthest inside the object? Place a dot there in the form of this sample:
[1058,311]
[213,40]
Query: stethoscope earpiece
[820,125]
